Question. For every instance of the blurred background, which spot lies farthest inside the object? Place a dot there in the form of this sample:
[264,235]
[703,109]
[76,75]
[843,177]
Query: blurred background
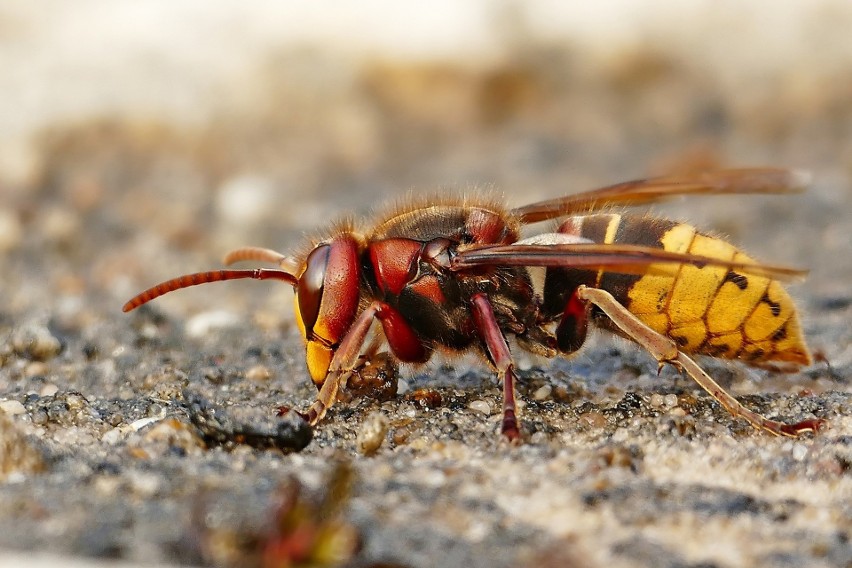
[142,140]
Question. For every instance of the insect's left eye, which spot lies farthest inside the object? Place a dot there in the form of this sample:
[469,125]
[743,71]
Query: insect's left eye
[311,286]
[438,253]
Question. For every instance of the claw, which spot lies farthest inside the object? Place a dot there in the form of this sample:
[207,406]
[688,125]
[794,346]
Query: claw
[673,362]
[509,428]
[814,425]
[285,410]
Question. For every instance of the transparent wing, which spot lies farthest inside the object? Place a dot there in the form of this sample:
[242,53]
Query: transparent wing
[649,190]
[627,259]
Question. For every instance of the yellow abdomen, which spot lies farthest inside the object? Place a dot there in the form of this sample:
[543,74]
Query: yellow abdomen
[710,310]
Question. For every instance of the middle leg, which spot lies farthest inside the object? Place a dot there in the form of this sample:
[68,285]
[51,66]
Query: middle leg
[498,352]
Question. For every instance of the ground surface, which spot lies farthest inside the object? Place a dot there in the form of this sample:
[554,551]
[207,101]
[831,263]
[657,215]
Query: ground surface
[101,458]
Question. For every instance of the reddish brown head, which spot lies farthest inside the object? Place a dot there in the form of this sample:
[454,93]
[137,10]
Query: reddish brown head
[327,300]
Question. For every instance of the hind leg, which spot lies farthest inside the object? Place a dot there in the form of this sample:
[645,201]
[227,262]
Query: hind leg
[665,351]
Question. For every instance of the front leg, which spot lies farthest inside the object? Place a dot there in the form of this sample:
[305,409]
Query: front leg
[342,364]
[501,358]
[404,344]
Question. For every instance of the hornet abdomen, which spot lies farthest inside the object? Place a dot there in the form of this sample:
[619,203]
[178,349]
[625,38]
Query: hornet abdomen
[708,310]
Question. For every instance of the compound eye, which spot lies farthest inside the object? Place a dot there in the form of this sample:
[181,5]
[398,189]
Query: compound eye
[310,287]
[437,252]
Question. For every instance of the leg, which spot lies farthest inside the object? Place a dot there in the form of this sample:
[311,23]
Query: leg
[404,344]
[498,352]
[342,364]
[665,351]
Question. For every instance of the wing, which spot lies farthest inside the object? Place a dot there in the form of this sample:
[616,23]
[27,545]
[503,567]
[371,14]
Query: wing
[626,259]
[637,192]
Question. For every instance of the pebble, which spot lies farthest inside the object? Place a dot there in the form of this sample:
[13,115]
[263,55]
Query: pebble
[174,434]
[543,393]
[202,324]
[144,484]
[39,417]
[36,343]
[49,389]
[137,425]
[112,437]
[480,406]
[166,390]
[425,398]
[593,418]
[12,407]
[259,373]
[75,401]
[621,435]
[107,485]
[799,452]
[372,433]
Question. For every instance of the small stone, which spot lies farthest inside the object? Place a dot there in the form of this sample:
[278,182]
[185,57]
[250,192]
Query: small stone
[173,433]
[112,437]
[12,407]
[143,483]
[107,485]
[75,401]
[407,410]
[40,417]
[36,343]
[621,435]
[372,433]
[799,452]
[137,425]
[425,398]
[542,393]
[259,373]
[202,324]
[166,390]
[402,387]
[656,400]
[480,406]
[593,419]
[401,435]
[670,400]
[49,389]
